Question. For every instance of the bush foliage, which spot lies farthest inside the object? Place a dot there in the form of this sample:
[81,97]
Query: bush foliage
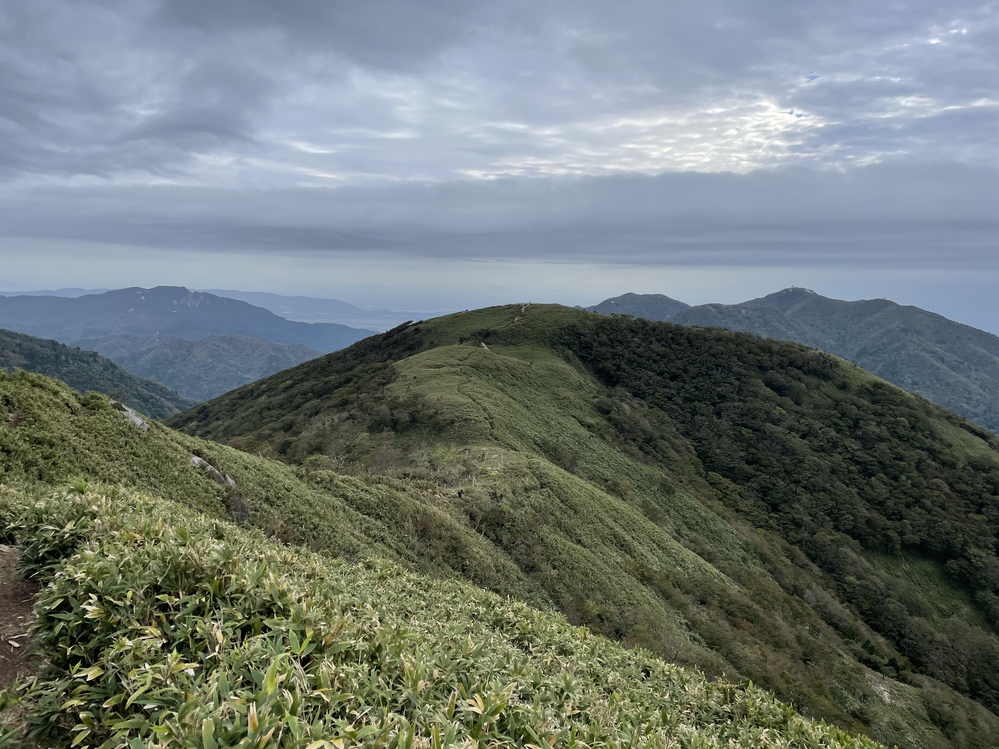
[161,628]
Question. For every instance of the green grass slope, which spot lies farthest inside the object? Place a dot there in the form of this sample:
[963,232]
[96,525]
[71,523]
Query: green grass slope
[86,370]
[754,508]
[51,434]
[160,627]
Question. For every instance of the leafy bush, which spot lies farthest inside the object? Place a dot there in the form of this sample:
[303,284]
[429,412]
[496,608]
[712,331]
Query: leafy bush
[160,628]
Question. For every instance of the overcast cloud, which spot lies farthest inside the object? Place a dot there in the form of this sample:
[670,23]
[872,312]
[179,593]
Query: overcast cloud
[721,134]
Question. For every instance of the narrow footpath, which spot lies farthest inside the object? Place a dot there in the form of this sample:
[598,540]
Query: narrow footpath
[16,598]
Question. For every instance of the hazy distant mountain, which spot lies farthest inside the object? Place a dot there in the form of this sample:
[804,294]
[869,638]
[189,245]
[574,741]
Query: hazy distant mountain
[649,306]
[163,311]
[71,292]
[86,370]
[952,364]
[201,369]
[316,309]
[197,343]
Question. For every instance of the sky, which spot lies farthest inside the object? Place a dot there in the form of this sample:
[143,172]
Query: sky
[456,153]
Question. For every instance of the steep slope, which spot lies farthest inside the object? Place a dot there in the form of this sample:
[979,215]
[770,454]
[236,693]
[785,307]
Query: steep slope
[754,508]
[163,311]
[954,365]
[86,370]
[202,369]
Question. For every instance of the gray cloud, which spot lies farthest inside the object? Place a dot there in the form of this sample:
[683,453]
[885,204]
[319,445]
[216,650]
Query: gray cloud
[895,214]
[390,34]
[724,133]
[279,93]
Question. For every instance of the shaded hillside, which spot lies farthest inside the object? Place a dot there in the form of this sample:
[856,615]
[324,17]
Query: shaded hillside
[952,364]
[231,640]
[86,370]
[201,369]
[752,507]
[161,312]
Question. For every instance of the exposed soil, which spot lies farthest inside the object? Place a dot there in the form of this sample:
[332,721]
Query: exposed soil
[16,598]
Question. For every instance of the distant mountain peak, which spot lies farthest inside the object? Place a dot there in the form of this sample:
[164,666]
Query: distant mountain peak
[651,306]
[793,291]
[797,290]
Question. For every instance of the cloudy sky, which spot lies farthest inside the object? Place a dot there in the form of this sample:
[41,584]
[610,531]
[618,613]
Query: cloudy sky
[452,153]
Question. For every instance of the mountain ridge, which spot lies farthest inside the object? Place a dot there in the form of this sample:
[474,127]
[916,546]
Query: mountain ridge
[691,491]
[163,311]
[193,342]
[953,364]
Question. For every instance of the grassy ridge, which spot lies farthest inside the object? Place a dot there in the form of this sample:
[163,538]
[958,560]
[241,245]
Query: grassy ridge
[750,507]
[160,627]
[60,434]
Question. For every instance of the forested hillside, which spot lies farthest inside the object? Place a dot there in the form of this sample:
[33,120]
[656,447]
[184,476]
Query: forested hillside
[86,370]
[954,365]
[201,369]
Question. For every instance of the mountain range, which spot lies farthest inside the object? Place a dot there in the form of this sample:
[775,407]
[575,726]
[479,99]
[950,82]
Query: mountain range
[163,311]
[297,307]
[315,309]
[175,605]
[952,364]
[195,343]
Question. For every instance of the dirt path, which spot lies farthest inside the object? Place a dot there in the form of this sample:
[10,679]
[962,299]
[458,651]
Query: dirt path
[16,596]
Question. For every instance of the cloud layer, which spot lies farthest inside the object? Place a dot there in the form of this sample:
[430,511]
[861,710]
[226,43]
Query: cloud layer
[725,132]
[321,92]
